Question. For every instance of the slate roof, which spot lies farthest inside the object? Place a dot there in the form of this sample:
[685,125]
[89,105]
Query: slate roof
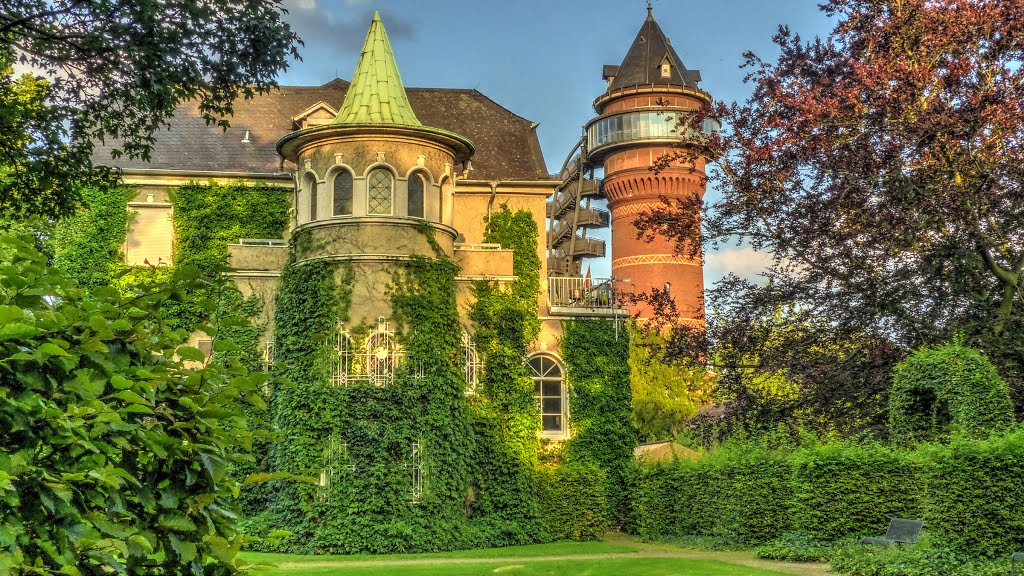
[376,94]
[642,64]
[507,147]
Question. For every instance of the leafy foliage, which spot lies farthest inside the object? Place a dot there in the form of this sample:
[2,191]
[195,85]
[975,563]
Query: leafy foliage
[114,445]
[596,354]
[881,167]
[116,71]
[89,243]
[947,387]
[665,395]
[572,501]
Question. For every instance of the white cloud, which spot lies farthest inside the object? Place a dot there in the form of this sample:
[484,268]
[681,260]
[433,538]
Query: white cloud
[742,261]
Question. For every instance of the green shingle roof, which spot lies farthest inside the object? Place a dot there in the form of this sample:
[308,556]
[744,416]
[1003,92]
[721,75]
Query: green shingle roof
[376,95]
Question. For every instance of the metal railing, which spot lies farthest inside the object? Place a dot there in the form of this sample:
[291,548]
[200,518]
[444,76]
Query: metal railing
[575,292]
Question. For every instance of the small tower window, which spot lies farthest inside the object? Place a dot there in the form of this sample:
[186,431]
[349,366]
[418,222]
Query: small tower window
[343,193]
[310,184]
[666,70]
[382,188]
[417,186]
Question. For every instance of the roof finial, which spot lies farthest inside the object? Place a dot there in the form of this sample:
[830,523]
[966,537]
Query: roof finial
[650,9]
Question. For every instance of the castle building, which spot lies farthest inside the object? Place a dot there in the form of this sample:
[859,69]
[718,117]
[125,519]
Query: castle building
[381,175]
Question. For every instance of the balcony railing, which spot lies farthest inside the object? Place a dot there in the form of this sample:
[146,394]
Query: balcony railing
[583,296]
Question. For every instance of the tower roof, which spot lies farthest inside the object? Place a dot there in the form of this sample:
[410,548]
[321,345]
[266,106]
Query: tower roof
[376,95]
[642,64]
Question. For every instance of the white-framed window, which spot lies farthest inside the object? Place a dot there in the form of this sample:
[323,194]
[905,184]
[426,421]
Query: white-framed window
[549,391]
[471,364]
[335,462]
[381,192]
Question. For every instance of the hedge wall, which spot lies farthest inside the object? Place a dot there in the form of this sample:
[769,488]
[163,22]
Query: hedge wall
[572,501]
[968,493]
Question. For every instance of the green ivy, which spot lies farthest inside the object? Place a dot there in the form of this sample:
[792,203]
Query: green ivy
[596,353]
[573,501]
[88,244]
[947,388]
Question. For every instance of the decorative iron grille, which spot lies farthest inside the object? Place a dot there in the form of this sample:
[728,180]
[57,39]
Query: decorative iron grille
[416,466]
[268,356]
[335,456]
[374,362]
[471,365]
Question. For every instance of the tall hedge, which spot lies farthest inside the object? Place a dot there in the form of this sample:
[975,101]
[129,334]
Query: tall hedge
[850,488]
[974,494]
[572,501]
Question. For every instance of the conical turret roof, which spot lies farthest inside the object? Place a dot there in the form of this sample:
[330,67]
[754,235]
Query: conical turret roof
[376,94]
[642,64]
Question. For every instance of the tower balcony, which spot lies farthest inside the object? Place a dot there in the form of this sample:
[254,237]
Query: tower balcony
[575,296]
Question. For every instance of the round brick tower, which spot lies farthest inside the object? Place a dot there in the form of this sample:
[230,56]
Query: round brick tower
[634,128]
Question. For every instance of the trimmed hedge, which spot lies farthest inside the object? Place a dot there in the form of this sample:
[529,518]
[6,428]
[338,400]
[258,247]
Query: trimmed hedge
[968,493]
[845,488]
[572,501]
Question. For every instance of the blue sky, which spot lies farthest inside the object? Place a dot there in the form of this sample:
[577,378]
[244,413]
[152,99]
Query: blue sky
[542,59]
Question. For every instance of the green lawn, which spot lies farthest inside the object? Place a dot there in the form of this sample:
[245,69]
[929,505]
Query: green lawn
[553,549]
[600,567]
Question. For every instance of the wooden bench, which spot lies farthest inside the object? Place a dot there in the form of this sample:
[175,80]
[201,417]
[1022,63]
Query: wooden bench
[900,532]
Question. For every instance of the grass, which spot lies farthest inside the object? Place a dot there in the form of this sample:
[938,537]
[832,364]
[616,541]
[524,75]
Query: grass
[553,549]
[590,567]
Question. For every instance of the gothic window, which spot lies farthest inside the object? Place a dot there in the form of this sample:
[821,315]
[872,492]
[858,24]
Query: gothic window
[417,187]
[381,185]
[381,356]
[549,391]
[343,193]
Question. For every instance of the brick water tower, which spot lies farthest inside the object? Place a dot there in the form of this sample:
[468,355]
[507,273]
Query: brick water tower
[635,127]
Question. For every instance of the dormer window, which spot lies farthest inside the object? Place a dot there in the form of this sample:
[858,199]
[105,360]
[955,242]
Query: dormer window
[666,68]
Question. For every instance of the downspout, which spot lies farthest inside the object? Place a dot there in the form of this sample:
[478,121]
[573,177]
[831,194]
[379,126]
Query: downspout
[490,201]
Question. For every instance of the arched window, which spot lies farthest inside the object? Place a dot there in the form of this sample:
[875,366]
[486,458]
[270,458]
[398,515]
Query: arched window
[471,364]
[549,390]
[310,184]
[381,185]
[343,193]
[440,201]
[417,186]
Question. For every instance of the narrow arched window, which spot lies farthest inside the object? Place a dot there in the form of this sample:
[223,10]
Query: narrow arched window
[417,186]
[310,184]
[343,193]
[381,188]
[549,391]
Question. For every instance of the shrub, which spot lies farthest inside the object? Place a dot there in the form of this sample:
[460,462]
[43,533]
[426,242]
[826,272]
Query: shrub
[849,488]
[943,388]
[115,443]
[973,494]
[572,501]
[797,547]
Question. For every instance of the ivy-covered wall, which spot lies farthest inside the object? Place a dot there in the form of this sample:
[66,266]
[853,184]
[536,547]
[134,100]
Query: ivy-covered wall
[596,353]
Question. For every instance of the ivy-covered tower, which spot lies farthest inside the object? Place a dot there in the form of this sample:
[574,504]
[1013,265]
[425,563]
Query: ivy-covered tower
[374,186]
[634,128]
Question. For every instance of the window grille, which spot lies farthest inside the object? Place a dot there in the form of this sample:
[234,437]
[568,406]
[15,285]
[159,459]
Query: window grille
[415,466]
[471,365]
[374,362]
[268,356]
[334,458]
[382,187]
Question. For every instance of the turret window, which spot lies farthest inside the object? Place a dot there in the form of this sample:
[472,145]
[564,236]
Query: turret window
[381,192]
[417,187]
[343,193]
[311,185]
